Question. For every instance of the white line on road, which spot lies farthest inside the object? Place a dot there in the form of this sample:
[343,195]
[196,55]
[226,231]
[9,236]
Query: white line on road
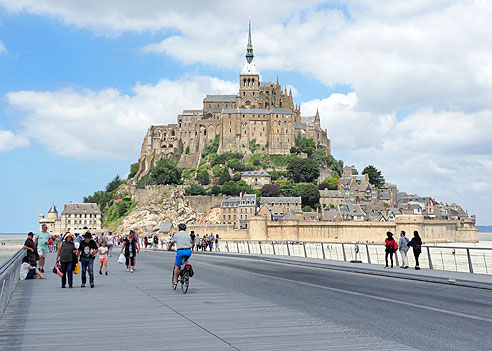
[409,304]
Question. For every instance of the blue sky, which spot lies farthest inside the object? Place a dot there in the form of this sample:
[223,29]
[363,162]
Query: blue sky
[78,89]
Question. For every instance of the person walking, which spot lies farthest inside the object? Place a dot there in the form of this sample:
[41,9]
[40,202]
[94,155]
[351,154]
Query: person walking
[416,244]
[192,236]
[42,245]
[87,251]
[391,247]
[197,241]
[403,243]
[103,257]
[211,240]
[131,248]
[217,243]
[65,258]
[110,240]
[155,245]
[31,252]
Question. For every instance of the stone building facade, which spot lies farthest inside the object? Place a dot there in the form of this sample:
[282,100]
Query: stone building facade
[238,211]
[256,179]
[260,111]
[74,218]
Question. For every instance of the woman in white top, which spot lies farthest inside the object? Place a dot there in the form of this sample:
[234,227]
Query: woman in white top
[29,272]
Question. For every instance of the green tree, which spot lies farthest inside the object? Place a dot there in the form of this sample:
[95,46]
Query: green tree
[225,176]
[145,180]
[332,182]
[215,190]
[166,172]
[195,189]
[307,209]
[202,176]
[253,146]
[133,169]
[212,148]
[236,165]
[305,145]
[302,170]
[375,176]
[113,184]
[270,190]
[287,187]
[217,170]
[236,176]
[309,194]
[187,150]
[334,164]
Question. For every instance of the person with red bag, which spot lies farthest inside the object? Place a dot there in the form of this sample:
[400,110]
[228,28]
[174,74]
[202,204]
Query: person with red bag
[391,247]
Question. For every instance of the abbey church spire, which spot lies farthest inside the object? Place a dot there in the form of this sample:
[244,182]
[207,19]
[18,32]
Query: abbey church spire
[249,48]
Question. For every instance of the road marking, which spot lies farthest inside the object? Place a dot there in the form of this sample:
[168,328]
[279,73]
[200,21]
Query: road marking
[354,293]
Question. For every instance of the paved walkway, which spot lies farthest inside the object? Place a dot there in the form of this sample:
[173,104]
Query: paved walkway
[131,311]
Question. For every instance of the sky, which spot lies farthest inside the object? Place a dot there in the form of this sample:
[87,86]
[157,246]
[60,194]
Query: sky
[403,85]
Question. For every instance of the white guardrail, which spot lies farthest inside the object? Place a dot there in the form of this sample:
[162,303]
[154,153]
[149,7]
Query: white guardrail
[447,258]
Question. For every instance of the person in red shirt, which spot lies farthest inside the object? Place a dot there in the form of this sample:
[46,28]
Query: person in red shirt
[391,247]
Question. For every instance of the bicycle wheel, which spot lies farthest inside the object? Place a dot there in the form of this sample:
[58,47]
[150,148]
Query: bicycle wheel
[185,281]
[172,281]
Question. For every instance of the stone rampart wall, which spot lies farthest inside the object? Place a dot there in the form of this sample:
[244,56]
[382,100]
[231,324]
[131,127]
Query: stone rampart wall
[260,229]
[204,203]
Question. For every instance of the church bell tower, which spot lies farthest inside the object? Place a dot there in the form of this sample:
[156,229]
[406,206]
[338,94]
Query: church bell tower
[249,79]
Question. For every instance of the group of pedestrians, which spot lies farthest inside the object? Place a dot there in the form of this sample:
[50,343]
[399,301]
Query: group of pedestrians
[211,242]
[403,245]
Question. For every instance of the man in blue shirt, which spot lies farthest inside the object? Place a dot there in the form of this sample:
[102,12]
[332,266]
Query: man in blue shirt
[42,244]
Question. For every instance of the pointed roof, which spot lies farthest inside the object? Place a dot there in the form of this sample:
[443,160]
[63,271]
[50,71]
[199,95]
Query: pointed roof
[249,48]
[53,209]
[277,82]
[289,216]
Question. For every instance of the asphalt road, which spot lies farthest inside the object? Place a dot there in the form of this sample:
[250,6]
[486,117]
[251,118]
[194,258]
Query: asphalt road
[425,316]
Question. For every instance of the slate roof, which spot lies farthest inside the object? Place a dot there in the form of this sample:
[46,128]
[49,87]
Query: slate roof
[351,209]
[289,216]
[231,202]
[384,196]
[255,174]
[220,98]
[53,209]
[80,208]
[257,111]
[248,200]
[329,214]
[284,200]
[331,193]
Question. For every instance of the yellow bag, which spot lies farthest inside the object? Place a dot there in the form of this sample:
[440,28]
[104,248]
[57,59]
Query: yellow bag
[77,268]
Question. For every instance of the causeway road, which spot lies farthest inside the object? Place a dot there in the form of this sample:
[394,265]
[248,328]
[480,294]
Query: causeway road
[245,303]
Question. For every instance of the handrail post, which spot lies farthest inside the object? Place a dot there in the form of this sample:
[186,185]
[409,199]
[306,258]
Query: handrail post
[237,246]
[261,251]
[227,246]
[368,256]
[305,253]
[288,250]
[273,248]
[344,254]
[469,260]
[396,258]
[249,251]
[429,256]
[323,251]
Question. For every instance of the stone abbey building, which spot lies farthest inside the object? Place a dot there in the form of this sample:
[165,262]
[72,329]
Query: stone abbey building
[260,111]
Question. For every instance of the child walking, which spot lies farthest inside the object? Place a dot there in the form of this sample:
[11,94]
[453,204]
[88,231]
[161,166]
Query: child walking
[103,257]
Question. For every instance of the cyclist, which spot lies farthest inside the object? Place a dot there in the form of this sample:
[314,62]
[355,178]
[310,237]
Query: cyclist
[183,249]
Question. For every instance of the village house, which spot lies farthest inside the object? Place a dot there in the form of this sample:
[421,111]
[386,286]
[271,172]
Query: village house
[256,179]
[237,211]
[279,206]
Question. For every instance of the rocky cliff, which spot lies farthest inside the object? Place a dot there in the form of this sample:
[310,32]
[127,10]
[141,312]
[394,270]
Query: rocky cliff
[158,204]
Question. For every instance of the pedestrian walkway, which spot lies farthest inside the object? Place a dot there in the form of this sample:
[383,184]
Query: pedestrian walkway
[140,311]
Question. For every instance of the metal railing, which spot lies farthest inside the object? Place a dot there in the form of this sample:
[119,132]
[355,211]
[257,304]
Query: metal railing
[448,258]
[9,277]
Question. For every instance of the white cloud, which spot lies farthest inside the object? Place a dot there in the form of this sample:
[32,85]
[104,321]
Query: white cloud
[106,123]
[446,155]
[10,141]
[3,49]
[395,54]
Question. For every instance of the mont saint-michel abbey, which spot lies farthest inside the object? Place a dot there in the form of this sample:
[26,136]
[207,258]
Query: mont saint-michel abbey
[260,111]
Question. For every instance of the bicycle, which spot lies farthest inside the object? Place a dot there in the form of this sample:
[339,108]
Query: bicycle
[185,272]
